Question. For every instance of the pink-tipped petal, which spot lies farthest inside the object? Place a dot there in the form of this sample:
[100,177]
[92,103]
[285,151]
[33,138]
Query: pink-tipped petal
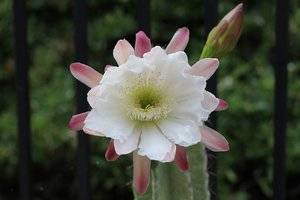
[77,121]
[181,158]
[110,153]
[205,67]
[142,44]
[179,40]
[85,74]
[213,140]
[223,105]
[141,173]
[122,51]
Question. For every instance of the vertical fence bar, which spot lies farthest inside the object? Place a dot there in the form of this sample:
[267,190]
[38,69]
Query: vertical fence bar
[21,50]
[280,115]
[81,52]
[210,19]
[143,16]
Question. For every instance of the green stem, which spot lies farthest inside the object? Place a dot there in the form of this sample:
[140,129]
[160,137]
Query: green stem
[168,183]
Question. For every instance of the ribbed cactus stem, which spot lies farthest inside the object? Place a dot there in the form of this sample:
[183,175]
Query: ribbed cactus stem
[169,183]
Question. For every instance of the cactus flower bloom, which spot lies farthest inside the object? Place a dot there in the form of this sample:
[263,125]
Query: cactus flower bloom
[153,104]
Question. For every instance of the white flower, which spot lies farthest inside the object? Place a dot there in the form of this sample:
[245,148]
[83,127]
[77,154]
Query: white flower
[154,103]
[150,104]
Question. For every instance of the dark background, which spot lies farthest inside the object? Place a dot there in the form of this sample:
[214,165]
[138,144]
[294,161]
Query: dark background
[245,80]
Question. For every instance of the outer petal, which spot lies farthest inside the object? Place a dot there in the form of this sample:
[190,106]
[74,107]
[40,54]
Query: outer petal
[179,40]
[182,132]
[223,105]
[77,121]
[154,144]
[85,74]
[110,153]
[181,158]
[142,44]
[122,51]
[128,145]
[204,67]
[141,173]
[213,140]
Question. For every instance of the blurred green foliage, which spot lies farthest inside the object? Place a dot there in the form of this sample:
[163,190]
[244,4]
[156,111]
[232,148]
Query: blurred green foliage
[245,81]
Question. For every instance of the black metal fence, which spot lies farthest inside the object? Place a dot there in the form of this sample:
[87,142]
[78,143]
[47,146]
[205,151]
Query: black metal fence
[81,51]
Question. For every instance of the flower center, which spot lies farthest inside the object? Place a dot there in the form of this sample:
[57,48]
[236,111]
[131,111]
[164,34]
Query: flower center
[146,100]
[147,97]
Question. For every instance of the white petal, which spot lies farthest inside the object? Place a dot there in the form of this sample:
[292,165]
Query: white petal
[135,64]
[179,56]
[112,75]
[109,122]
[171,155]
[122,51]
[210,102]
[190,108]
[104,92]
[93,95]
[195,106]
[128,145]
[92,132]
[155,145]
[182,132]
[157,56]
[186,87]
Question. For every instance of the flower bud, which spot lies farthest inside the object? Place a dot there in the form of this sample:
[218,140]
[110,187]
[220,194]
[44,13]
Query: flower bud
[223,37]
